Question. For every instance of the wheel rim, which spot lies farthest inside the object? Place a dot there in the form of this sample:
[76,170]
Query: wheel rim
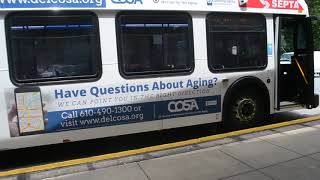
[245,110]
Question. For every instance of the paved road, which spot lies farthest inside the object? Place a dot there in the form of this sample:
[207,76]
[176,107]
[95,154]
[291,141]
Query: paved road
[287,153]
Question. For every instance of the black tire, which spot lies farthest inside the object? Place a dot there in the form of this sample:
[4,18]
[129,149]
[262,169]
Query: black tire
[243,109]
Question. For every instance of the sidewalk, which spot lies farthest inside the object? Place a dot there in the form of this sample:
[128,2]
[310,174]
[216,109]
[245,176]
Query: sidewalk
[286,153]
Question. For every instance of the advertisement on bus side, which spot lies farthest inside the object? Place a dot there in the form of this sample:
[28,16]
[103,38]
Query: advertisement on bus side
[35,110]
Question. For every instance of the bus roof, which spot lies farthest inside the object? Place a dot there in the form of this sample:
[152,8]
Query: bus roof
[297,7]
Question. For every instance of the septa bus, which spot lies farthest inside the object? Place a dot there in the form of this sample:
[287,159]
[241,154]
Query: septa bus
[84,69]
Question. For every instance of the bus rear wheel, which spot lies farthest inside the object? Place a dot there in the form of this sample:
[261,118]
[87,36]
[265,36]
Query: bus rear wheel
[244,109]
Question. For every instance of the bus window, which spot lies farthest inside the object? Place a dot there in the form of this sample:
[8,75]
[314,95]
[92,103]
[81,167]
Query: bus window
[46,47]
[150,43]
[287,38]
[236,41]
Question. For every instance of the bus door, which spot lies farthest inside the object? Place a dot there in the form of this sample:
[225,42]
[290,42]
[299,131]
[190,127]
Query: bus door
[295,62]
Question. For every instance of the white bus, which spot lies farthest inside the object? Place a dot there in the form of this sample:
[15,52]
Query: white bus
[83,69]
[317,64]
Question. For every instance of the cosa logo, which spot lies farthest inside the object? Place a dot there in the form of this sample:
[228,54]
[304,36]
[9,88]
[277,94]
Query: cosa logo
[127,1]
[209,2]
[186,105]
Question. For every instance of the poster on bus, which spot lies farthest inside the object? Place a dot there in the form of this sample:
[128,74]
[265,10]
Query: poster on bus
[47,109]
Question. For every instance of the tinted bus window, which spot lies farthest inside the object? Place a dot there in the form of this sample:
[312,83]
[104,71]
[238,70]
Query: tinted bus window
[46,47]
[154,43]
[236,41]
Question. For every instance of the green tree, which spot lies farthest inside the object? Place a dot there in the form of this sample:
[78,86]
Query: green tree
[314,9]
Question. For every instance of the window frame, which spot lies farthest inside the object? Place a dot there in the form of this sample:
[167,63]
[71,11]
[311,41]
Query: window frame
[191,59]
[97,63]
[210,59]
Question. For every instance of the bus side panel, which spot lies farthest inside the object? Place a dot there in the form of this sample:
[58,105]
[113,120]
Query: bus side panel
[271,68]
[61,107]
[75,135]
[4,109]
[57,98]
[3,54]
[68,106]
[5,82]
[108,38]
[201,71]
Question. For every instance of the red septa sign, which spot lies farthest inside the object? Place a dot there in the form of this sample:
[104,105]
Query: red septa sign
[275,4]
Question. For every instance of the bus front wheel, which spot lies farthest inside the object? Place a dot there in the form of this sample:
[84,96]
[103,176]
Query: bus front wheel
[244,109]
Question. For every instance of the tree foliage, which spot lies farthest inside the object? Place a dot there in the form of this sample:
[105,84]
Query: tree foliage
[314,9]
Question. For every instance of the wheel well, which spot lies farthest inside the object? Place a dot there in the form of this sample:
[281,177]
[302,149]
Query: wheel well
[248,83]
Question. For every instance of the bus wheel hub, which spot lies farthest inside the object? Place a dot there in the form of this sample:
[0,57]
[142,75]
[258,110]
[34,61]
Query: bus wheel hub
[245,110]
